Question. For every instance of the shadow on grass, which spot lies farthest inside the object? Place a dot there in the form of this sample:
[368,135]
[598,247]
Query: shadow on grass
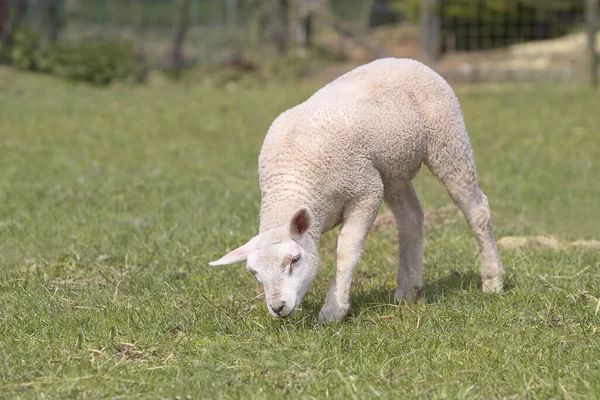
[382,297]
[432,292]
[456,280]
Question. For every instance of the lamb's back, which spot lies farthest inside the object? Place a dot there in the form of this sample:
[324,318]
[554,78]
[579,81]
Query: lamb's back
[377,115]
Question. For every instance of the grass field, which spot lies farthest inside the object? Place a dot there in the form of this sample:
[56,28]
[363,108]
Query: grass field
[112,201]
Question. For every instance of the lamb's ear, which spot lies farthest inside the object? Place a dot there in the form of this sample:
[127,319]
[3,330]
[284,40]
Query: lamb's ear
[301,221]
[239,254]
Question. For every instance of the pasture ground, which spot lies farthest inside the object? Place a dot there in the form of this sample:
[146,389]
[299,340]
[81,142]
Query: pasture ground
[113,201]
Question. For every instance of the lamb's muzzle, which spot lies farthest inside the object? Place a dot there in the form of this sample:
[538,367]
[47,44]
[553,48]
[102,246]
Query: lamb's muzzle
[334,158]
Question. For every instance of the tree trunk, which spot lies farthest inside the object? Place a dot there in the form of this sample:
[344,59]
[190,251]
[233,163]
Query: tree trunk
[22,8]
[180,24]
[138,15]
[4,27]
[430,30]
[255,21]
[322,14]
[592,29]
[304,25]
[54,23]
[280,25]
[232,13]
[365,14]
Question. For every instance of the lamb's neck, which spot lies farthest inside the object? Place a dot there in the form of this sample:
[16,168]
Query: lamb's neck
[278,207]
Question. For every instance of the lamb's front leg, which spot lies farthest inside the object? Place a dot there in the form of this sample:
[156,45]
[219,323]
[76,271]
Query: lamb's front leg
[349,249]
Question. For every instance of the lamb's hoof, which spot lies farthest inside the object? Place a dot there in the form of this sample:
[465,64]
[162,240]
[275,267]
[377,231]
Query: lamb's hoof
[407,294]
[332,313]
[492,285]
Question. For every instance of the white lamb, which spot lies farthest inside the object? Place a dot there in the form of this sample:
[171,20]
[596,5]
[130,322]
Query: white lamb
[332,159]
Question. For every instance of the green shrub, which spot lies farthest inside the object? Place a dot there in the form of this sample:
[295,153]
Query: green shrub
[503,22]
[98,61]
[21,49]
[490,10]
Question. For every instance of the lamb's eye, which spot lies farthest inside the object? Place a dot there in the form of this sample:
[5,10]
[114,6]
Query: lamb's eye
[295,259]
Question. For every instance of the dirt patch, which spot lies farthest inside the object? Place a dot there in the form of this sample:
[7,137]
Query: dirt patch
[587,244]
[434,218]
[517,242]
[558,59]
[129,352]
[385,220]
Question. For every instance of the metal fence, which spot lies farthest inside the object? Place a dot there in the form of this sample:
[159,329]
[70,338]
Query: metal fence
[480,29]
[214,25]
[217,26]
[515,40]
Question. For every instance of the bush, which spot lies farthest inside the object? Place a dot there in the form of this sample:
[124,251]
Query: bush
[21,52]
[98,61]
[19,48]
[490,11]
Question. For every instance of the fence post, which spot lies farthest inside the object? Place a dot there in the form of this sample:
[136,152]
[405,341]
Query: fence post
[138,15]
[254,24]
[430,27]
[280,25]
[365,15]
[4,14]
[592,28]
[303,25]
[232,6]
[54,20]
[180,25]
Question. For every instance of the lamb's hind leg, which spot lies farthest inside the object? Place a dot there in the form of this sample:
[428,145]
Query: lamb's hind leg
[474,205]
[456,170]
[405,206]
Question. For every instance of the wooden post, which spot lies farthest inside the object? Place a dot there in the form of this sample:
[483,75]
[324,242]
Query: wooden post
[431,24]
[180,25]
[280,25]
[254,25]
[232,6]
[138,15]
[592,28]
[4,28]
[365,14]
[304,17]
[54,20]
[22,8]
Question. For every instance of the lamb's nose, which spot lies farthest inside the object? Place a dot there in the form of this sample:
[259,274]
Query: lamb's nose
[278,310]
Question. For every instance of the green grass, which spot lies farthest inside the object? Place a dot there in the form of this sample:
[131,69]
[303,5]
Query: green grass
[112,201]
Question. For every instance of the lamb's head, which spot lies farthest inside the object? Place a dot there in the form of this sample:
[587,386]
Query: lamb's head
[285,261]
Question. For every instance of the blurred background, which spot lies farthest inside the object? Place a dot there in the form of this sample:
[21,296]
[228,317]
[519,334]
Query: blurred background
[465,40]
